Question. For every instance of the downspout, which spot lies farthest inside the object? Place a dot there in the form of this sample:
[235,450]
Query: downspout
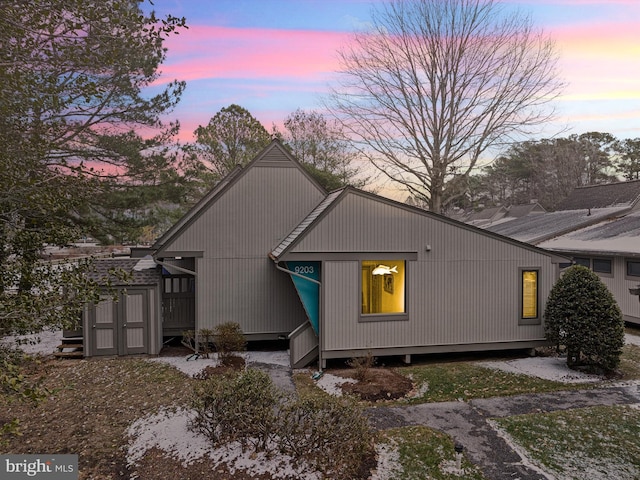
[282,269]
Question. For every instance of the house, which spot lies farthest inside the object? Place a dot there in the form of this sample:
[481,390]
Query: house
[500,214]
[598,226]
[339,274]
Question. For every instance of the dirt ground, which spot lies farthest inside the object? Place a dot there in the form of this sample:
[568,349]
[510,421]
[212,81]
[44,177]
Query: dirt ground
[92,403]
[378,384]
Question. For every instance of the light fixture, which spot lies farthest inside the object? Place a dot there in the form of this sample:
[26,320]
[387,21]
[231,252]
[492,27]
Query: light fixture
[384,270]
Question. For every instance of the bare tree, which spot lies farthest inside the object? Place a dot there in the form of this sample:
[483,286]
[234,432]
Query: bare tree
[438,82]
[320,145]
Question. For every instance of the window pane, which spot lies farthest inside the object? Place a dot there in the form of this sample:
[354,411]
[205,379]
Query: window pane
[601,265]
[633,269]
[529,294]
[585,262]
[383,286]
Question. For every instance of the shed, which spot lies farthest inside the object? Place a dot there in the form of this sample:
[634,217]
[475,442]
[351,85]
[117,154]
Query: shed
[127,320]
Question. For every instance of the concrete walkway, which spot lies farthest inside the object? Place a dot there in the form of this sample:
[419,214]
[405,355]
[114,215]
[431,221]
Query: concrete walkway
[467,423]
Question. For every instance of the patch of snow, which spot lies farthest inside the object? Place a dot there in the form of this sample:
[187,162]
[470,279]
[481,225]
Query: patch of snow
[332,383]
[193,366]
[280,357]
[631,339]
[388,462]
[43,343]
[168,431]
[548,368]
[189,367]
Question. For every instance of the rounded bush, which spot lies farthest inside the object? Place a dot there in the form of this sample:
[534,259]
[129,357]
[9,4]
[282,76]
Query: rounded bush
[582,315]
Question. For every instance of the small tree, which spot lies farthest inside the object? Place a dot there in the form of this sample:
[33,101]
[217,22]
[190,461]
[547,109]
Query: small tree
[582,315]
[228,338]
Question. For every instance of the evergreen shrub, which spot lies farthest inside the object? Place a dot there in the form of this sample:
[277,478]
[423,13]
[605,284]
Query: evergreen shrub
[583,317]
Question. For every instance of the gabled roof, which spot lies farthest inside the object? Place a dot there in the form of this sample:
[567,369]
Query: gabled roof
[270,154]
[492,213]
[620,194]
[518,211]
[334,198]
[610,237]
[307,222]
[538,228]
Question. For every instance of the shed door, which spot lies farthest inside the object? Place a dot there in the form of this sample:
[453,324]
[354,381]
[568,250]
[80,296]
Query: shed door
[121,328]
[104,327]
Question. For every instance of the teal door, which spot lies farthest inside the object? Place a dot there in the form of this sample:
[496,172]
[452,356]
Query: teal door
[308,291]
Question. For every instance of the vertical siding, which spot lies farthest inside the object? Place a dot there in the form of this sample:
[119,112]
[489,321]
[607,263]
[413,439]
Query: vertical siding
[465,290]
[251,292]
[253,216]
[236,281]
[619,286]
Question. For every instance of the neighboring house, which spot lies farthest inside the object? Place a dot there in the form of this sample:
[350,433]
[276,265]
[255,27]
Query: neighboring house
[341,274]
[597,226]
[494,215]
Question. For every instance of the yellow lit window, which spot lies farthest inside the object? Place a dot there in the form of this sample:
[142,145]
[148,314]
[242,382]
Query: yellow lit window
[529,294]
[383,286]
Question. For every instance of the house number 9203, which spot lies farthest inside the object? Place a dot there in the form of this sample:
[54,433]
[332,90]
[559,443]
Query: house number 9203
[303,269]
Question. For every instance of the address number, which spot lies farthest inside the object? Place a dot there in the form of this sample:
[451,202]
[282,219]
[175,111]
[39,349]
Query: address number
[308,269]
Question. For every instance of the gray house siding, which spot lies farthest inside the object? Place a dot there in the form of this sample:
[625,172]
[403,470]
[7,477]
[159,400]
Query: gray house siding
[231,238]
[462,285]
[619,284]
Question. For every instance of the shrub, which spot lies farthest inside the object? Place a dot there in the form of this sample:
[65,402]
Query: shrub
[362,366]
[582,315]
[331,434]
[228,338]
[236,407]
[327,434]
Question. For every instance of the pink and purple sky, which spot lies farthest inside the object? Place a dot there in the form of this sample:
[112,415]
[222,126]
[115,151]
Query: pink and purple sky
[274,56]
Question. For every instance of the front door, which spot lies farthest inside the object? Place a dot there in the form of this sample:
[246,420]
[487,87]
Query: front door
[120,327]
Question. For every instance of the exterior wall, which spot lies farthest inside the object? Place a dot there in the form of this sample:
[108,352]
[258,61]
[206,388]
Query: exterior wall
[236,281]
[464,290]
[619,285]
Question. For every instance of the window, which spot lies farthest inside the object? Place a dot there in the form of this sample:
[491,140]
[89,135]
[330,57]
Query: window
[633,268]
[602,265]
[585,262]
[529,295]
[383,287]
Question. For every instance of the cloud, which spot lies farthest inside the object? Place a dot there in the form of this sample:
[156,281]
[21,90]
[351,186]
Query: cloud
[233,53]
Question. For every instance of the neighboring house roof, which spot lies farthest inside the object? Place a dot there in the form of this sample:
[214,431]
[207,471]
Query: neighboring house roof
[603,196]
[538,228]
[603,206]
[610,237]
[325,207]
[272,153]
[140,271]
[493,213]
[518,211]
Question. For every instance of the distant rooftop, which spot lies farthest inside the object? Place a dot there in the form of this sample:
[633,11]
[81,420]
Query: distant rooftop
[602,196]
